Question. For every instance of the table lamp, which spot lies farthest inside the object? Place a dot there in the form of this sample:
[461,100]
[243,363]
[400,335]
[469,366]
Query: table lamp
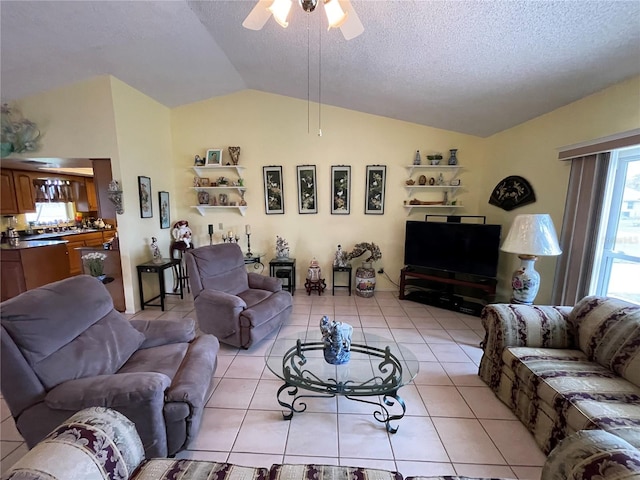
[530,236]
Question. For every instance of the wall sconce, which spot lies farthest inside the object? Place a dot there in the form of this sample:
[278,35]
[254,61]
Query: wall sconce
[114,193]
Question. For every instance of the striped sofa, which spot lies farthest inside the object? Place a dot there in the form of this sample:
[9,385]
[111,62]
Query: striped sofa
[562,370]
[102,444]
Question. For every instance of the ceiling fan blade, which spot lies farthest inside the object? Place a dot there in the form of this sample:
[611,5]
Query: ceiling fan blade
[352,27]
[258,16]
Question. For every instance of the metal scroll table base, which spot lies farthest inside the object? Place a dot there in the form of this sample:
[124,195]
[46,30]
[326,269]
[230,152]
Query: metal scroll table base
[386,384]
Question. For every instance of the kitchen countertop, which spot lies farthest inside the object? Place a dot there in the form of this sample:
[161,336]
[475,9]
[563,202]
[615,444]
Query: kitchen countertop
[23,245]
[53,235]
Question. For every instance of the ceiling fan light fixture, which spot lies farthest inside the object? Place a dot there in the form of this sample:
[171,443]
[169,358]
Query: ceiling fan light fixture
[308,5]
[336,16]
[280,10]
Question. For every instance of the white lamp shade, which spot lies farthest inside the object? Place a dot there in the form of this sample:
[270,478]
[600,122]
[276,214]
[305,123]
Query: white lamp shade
[532,234]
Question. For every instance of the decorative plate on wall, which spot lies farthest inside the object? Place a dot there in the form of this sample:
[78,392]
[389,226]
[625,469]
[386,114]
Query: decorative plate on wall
[512,192]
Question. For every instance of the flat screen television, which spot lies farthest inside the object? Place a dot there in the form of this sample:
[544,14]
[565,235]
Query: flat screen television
[468,248]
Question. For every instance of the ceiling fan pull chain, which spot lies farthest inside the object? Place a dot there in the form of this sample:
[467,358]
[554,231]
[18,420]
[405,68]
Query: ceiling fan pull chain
[319,77]
[308,77]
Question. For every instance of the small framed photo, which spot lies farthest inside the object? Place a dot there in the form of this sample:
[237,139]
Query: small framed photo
[307,189]
[165,212]
[273,190]
[374,197]
[204,182]
[340,189]
[214,157]
[144,192]
[223,199]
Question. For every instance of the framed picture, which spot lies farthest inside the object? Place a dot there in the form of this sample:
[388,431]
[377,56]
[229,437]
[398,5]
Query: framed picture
[144,191]
[273,190]
[374,197]
[214,157]
[204,182]
[340,189]
[165,212]
[307,189]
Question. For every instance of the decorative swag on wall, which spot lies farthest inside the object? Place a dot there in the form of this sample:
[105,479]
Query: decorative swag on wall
[53,190]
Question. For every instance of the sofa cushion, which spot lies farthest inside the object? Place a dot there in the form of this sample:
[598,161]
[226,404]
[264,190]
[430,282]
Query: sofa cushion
[556,392]
[608,331]
[168,469]
[329,472]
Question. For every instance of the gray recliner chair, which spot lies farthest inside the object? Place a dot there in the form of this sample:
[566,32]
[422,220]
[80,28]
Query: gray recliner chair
[238,307]
[64,348]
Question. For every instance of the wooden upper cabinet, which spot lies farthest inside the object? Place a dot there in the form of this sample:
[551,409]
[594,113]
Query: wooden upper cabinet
[9,203]
[25,194]
[85,195]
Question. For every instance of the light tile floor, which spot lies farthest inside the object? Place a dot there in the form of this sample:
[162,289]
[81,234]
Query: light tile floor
[454,424]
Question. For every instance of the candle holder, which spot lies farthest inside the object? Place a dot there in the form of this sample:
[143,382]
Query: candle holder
[249,254]
[210,234]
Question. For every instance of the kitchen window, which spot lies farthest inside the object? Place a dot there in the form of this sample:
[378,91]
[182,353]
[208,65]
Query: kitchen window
[51,212]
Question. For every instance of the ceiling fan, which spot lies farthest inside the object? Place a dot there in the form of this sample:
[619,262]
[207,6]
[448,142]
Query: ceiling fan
[340,13]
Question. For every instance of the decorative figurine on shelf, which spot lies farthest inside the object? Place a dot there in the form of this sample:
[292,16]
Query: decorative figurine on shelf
[440,180]
[453,159]
[199,161]
[182,233]
[243,202]
[155,250]
[336,337]
[417,160]
[282,247]
[234,152]
[203,198]
[340,258]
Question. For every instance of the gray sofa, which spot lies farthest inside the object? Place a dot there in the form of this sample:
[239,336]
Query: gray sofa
[239,308]
[64,348]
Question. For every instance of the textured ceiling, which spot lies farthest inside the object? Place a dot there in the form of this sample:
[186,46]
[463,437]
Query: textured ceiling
[476,67]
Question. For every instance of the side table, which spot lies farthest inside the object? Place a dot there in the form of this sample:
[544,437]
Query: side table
[347,270]
[158,269]
[284,269]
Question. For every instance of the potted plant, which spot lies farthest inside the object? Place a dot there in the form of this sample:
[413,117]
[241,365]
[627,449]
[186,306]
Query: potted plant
[94,261]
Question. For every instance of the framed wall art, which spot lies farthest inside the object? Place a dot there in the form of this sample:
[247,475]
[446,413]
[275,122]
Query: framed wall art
[144,191]
[273,190]
[165,212]
[307,189]
[340,189]
[374,197]
[214,157]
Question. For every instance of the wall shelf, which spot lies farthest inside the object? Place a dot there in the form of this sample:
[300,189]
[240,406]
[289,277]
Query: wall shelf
[445,168]
[203,208]
[426,188]
[226,187]
[206,170]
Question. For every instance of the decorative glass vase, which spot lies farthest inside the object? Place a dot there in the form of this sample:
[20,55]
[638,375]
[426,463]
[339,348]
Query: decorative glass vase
[365,280]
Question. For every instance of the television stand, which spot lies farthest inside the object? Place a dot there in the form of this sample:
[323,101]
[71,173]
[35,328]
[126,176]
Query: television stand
[447,290]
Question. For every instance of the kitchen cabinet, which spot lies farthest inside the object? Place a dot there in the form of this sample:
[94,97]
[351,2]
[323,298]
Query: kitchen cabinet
[85,195]
[78,240]
[17,192]
[9,203]
[31,265]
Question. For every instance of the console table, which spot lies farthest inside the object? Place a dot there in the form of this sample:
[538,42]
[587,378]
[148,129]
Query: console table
[158,269]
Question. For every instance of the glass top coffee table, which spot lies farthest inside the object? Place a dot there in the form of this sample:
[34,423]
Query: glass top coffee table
[378,367]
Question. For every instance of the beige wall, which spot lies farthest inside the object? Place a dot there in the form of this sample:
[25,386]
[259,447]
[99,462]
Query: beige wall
[530,150]
[272,130]
[105,118]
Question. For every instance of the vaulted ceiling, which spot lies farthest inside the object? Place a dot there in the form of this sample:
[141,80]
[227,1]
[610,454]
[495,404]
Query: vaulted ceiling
[475,67]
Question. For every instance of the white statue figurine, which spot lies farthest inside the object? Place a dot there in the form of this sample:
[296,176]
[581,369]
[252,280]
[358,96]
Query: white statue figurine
[340,258]
[155,250]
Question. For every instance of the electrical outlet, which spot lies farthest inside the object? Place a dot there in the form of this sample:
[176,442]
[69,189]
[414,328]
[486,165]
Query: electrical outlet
[220,227]
[381,271]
